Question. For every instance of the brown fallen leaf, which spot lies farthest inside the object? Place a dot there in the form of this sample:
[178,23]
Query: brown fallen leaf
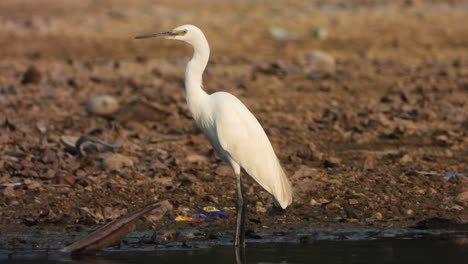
[107,234]
[33,185]
[65,179]
[95,215]
[112,213]
[12,192]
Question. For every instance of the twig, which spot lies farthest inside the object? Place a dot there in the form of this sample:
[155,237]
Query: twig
[107,234]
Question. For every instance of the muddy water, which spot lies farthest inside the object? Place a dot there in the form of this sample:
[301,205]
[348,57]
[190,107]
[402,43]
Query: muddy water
[380,251]
[321,246]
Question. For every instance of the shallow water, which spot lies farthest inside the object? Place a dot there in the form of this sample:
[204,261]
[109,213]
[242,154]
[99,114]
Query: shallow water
[320,246]
[386,250]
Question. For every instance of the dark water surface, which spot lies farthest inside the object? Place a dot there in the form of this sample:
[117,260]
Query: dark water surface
[308,245]
[386,250]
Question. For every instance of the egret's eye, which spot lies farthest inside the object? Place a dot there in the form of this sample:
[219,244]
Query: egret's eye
[182,32]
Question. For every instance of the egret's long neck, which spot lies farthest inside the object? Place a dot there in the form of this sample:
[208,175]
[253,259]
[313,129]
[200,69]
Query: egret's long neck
[194,72]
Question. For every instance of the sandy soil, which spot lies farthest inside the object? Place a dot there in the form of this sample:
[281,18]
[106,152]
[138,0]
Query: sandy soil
[365,103]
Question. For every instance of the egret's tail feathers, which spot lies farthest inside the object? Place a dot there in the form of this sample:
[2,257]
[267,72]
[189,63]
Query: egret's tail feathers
[283,191]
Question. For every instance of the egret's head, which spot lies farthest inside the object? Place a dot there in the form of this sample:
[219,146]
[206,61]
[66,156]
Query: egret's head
[186,33]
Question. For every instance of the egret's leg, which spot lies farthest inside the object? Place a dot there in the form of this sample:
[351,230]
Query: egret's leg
[240,227]
[239,253]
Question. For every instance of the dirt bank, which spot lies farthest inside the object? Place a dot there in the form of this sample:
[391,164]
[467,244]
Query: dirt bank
[364,102]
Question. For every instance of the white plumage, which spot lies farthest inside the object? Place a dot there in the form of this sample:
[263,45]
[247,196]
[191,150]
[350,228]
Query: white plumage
[231,128]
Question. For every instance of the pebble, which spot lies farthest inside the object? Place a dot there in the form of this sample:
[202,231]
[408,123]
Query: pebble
[12,193]
[320,61]
[32,76]
[462,197]
[102,105]
[370,163]
[406,159]
[331,162]
[409,212]
[224,170]
[170,235]
[333,206]
[260,209]
[195,158]
[116,162]
[313,202]
[442,140]
[378,216]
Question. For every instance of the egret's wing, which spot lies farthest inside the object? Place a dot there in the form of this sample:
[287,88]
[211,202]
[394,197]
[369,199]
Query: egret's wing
[242,137]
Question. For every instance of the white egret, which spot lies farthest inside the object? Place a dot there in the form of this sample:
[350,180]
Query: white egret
[234,132]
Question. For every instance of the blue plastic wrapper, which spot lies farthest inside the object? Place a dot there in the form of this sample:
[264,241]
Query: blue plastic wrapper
[203,214]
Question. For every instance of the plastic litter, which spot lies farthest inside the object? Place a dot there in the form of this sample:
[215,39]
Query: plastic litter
[283,34]
[205,213]
[453,175]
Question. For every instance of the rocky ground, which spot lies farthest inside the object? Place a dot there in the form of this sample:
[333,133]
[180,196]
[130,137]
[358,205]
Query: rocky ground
[365,102]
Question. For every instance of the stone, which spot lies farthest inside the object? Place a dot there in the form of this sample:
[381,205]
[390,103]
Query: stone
[31,76]
[102,105]
[116,162]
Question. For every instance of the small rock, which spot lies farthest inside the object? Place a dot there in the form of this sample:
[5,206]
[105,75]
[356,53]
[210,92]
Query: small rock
[318,202]
[9,192]
[319,62]
[69,141]
[462,197]
[442,140]
[409,212]
[139,111]
[275,68]
[307,177]
[116,162]
[331,163]
[41,127]
[260,210]
[309,152]
[12,193]
[406,159]
[170,235]
[378,216]
[313,202]
[102,105]
[370,163]
[195,158]
[34,185]
[333,206]
[432,191]
[419,190]
[224,170]
[353,201]
[29,221]
[32,75]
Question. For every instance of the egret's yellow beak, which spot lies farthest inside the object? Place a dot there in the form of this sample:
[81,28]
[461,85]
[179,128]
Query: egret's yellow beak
[167,34]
